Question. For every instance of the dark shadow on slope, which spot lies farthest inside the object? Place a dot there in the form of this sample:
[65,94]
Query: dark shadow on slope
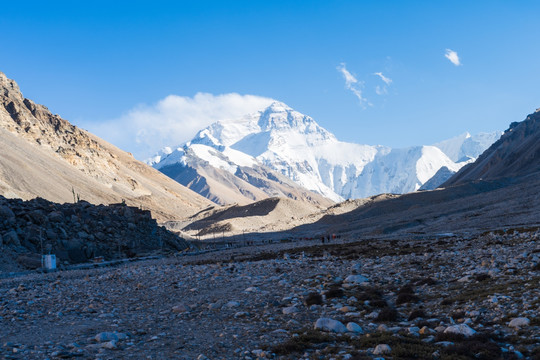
[260,208]
[470,207]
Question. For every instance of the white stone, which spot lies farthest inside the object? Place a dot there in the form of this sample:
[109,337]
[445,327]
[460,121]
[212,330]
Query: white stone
[355,328]
[111,345]
[290,310]
[110,336]
[180,308]
[462,329]
[232,304]
[382,349]
[328,324]
[356,279]
[519,322]
[372,315]
[414,330]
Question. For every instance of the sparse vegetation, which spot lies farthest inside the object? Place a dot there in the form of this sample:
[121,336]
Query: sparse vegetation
[304,340]
[313,299]
[482,277]
[334,292]
[418,313]
[387,314]
[404,298]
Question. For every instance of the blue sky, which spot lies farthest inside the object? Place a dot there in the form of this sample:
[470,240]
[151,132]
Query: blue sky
[95,63]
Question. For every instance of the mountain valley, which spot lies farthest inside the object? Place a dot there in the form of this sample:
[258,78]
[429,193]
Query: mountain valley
[257,256]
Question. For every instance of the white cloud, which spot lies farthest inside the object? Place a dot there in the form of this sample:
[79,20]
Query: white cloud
[381,90]
[352,84]
[453,57]
[386,80]
[173,120]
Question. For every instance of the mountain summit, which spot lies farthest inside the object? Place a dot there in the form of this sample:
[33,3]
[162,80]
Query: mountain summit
[294,145]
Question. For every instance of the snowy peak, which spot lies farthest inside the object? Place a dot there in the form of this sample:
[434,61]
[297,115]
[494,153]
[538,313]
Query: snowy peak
[295,146]
[274,122]
[279,117]
[465,146]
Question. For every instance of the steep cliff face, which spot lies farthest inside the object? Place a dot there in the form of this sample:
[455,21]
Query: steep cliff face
[43,155]
[515,154]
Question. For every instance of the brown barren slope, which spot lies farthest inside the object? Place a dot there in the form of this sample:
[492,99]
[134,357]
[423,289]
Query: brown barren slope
[44,155]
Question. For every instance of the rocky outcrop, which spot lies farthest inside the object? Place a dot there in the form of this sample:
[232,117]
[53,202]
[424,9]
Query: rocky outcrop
[44,155]
[79,232]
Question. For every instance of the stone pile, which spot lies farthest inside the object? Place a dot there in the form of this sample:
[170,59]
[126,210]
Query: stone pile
[79,232]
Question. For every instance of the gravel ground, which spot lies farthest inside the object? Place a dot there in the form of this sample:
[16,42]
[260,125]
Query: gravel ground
[397,299]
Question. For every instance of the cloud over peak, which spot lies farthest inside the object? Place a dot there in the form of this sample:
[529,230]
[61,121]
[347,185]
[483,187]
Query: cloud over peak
[146,129]
[453,57]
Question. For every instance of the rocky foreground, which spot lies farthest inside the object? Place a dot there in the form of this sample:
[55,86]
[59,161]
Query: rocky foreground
[436,298]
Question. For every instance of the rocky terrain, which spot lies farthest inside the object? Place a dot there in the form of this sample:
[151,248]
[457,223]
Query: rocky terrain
[76,233]
[437,298]
[43,155]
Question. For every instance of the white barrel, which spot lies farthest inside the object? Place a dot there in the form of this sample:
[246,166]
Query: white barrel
[49,261]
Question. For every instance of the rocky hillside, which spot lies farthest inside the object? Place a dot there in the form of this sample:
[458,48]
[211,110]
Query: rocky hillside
[44,155]
[77,232]
[515,154]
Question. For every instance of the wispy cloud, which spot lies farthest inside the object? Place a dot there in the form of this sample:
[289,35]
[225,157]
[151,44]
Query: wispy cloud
[386,80]
[352,84]
[382,90]
[146,129]
[453,57]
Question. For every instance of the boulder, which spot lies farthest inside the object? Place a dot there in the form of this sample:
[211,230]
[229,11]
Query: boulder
[6,212]
[355,279]
[461,329]
[382,349]
[519,322]
[327,324]
[355,328]
[11,238]
[30,261]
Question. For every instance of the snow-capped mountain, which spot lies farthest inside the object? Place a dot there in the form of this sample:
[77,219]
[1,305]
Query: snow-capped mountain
[466,146]
[228,176]
[294,145]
